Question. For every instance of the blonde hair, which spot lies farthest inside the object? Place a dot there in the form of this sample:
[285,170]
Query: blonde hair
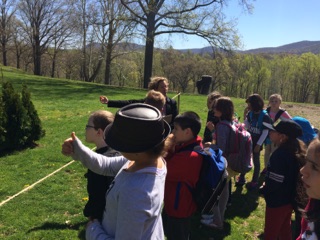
[156,99]
[214,95]
[275,96]
[155,81]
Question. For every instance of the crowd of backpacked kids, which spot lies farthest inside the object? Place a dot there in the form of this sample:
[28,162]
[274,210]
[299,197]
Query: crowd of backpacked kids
[150,167]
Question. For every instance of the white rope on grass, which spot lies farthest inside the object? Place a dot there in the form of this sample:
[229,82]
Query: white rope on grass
[31,186]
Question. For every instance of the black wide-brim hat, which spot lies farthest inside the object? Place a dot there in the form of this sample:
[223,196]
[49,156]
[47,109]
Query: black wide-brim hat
[136,128]
[286,126]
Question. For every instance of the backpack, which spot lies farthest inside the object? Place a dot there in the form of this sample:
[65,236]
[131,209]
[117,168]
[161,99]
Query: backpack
[260,119]
[212,177]
[239,149]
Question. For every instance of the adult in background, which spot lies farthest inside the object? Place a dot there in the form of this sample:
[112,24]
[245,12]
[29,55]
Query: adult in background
[134,199]
[280,186]
[161,84]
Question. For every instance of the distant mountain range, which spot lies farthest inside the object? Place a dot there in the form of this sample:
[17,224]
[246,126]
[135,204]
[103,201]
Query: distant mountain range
[293,48]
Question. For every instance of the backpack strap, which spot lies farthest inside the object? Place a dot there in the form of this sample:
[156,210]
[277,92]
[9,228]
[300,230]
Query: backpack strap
[279,113]
[268,109]
[260,119]
[215,197]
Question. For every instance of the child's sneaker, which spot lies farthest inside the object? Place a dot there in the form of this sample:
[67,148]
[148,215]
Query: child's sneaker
[211,224]
[240,181]
[207,216]
[252,186]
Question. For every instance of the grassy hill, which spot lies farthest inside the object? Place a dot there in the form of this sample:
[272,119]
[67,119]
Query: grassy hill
[53,208]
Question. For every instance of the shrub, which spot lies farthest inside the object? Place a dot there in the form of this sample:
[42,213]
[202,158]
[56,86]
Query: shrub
[35,131]
[21,125]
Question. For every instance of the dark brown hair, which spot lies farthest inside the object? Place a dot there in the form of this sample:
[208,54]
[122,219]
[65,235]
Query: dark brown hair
[225,106]
[190,120]
[256,102]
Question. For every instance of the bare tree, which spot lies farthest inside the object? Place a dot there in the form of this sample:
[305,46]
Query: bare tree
[7,9]
[20,41]
[107,25]
[62,34]
[203,18]
[83,12]
[40,18]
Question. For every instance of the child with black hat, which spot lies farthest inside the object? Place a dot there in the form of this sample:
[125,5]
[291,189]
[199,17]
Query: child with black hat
[279,188]
[134,199]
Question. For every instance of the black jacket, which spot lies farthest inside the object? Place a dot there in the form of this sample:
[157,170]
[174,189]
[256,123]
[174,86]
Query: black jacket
[281,176]
[170,106]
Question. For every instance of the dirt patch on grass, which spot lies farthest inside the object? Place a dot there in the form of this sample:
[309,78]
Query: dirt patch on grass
[311,112]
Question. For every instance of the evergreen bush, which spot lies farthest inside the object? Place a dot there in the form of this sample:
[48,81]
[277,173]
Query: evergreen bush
[19,120]
[35,131]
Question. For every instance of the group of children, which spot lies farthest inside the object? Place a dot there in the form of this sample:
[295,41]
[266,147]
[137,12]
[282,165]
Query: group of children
[150,170]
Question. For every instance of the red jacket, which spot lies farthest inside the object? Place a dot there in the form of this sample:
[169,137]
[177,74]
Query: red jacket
[183,170]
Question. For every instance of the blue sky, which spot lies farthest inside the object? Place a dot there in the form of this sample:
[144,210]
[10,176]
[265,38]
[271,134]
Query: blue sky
[272,23]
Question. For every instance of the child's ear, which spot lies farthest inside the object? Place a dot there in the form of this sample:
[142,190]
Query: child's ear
[189,131]
[100,131]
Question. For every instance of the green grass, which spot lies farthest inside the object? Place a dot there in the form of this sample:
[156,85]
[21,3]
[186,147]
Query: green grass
[53,208]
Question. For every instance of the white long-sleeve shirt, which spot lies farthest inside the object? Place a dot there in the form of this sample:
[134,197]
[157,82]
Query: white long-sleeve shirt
[133,201]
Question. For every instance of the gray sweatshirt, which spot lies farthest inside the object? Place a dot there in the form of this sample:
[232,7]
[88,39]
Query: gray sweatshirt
[133,201]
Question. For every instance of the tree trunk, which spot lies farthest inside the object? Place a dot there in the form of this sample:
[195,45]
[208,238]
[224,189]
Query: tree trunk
[107,72]
[36,57]
[18,60]
[96,71]
[149,49]
[4,54]
[53,66]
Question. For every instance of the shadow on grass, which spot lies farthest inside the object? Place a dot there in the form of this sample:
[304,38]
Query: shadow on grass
[243,204]
[5,153]
[59,226]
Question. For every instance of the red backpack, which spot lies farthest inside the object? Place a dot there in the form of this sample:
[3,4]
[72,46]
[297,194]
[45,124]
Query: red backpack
[239,148]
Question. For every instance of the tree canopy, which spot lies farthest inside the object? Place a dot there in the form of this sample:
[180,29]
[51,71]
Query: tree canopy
[203,18]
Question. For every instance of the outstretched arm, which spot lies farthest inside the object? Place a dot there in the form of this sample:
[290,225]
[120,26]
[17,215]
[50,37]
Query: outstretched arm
[97,163]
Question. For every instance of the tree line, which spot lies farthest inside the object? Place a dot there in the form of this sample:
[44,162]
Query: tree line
[36,32]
